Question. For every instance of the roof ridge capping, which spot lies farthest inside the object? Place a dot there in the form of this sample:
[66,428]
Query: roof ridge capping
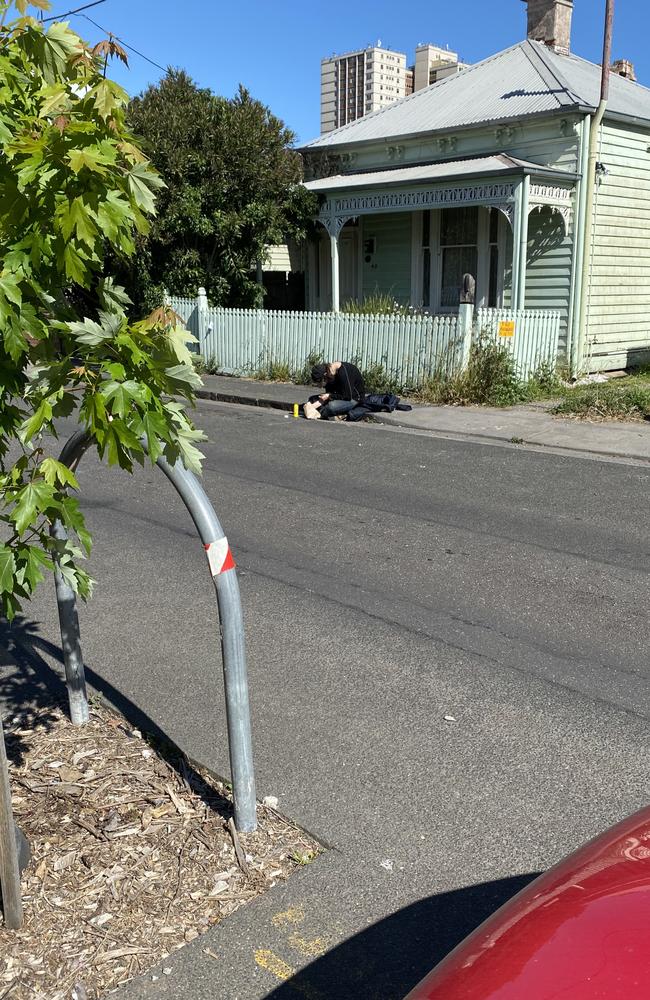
[538,55]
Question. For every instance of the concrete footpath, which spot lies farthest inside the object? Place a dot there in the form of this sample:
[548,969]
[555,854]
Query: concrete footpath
[529,424]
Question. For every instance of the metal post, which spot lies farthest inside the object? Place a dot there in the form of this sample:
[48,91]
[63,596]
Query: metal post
[75,677]
[516,246]
[334,249]
[12,905]
[233,646]
[66,600]
[523,243]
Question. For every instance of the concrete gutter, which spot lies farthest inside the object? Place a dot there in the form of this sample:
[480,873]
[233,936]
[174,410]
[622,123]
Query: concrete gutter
[246,399]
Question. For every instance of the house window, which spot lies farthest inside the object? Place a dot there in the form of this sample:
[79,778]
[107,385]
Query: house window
[459,251]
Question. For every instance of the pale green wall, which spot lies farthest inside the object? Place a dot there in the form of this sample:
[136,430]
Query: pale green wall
[554,143]
[390,269]
[546,145]
[549,142]
[548,270]
[619,298]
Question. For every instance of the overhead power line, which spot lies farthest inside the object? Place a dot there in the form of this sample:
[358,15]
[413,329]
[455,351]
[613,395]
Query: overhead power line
[122,42]
[77,10]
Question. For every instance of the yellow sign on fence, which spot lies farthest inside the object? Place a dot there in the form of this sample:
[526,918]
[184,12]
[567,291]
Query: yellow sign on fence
[507,329]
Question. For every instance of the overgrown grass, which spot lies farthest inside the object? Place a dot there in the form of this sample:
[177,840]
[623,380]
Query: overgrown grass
[205,366]
[619,399]
[379,380]
[276,370]
[490,379]
[548,381]
[303,375]
[273,371]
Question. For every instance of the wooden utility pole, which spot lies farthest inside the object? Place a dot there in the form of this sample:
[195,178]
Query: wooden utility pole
[12,904]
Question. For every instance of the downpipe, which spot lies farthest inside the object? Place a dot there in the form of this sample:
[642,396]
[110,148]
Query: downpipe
[594,139]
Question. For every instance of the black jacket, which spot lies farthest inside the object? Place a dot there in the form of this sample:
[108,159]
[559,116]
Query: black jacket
[346,384]
[377,403]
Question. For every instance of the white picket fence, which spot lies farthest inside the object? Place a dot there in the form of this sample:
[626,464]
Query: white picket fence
[246,340]
[410,348]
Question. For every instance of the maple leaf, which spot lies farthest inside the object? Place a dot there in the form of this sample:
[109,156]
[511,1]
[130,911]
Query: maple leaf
[109,48]
[164,316]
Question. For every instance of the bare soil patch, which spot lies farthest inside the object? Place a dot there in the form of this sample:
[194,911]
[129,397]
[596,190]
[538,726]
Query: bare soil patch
[133,856]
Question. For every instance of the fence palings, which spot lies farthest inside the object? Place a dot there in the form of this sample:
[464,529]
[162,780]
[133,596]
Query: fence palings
[411,348]
[534,340]
[244,340]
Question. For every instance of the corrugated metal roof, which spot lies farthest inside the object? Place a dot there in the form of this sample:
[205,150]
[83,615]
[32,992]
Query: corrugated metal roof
[479,166]
[527,79]
[625,97]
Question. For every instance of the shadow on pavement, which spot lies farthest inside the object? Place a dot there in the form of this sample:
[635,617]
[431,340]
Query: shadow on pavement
[31,688]
[388,959]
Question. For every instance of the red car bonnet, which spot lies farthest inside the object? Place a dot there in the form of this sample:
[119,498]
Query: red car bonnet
[580,932]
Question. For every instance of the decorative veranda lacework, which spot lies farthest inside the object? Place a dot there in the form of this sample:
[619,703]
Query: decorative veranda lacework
[341,209]
[556,197]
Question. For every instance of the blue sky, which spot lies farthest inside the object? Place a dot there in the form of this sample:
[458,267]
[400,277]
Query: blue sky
[275,49]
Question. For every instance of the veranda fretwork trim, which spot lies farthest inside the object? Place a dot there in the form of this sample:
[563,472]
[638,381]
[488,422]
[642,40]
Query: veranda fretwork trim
[339,209]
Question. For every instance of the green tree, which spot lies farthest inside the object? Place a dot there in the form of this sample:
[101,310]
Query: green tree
[72,184]
[232,188]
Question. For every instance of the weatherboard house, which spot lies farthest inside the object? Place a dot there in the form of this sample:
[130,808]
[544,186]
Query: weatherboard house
[487,173]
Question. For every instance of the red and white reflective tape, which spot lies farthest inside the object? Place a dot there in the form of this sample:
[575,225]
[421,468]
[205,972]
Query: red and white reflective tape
[219,556]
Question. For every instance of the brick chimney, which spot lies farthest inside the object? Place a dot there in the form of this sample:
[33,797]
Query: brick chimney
[549,21]
[624,68]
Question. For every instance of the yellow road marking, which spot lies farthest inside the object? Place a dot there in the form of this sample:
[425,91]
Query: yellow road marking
[294,916]
[313,948]
[310,949]
[269,960]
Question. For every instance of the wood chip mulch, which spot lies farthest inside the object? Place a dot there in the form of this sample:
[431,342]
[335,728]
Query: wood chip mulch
[133,856]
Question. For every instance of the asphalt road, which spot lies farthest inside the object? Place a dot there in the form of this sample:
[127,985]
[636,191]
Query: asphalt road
[389,580]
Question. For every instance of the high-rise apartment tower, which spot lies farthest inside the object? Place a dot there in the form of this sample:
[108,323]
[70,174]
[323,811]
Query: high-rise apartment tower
[356,83]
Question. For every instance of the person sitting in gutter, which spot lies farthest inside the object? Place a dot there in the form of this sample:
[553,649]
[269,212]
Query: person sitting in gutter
[344,390]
